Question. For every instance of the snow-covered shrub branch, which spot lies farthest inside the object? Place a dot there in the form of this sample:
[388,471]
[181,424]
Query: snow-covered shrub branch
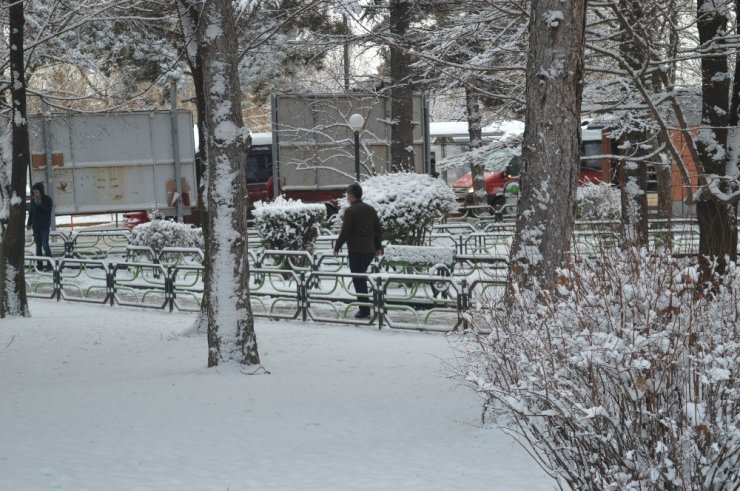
[287,224]
[159,234]
[624,378]
[407,204]
[598,202]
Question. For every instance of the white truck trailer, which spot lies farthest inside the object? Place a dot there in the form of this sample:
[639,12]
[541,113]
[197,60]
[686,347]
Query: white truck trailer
[115,162]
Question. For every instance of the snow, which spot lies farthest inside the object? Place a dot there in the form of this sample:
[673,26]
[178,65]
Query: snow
[553,18]
[117,399]
[420,254]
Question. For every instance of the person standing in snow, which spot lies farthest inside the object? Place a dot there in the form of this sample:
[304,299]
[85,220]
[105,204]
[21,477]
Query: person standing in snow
[39,219]
[362,232]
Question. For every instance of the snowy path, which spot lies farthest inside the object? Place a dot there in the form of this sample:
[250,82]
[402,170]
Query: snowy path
[101,398]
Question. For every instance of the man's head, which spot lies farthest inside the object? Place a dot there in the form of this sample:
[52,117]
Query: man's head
[37,189]
[354,193]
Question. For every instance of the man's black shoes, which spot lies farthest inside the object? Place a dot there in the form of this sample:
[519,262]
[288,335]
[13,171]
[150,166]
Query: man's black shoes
[362,315]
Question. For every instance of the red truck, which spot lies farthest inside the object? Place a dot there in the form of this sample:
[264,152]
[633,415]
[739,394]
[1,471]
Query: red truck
[503,168]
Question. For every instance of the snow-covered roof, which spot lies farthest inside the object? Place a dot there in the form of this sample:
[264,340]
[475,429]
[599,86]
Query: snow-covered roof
[261,138]
[460,129]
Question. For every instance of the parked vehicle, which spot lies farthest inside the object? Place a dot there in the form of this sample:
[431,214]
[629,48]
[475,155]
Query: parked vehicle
[314,144]
[504,166]
[451,138]
[114,162]
[258,168]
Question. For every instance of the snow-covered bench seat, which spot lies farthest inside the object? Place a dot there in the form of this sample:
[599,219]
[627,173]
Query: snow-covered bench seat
[418,256]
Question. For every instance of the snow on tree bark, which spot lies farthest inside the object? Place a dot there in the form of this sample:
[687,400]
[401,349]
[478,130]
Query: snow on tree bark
[228,313]
[13,300]
[551,148]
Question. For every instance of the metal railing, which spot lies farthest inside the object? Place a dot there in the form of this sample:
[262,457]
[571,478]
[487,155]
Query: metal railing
[427,302]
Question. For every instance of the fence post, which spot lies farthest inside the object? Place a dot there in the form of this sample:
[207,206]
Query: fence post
[462,303]
[110,280]
[69,247]
[303,296]
[379,301]
[57,279]
[169,288]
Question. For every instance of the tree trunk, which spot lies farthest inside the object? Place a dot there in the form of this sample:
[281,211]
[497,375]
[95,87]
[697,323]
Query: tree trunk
[13,301]
[632,174]
[717,220]
[551,148]
[476,140]
[402,91]
[231,335]
[632,178]
[189,17]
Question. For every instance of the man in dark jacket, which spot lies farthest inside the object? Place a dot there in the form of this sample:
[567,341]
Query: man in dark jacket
[362,233]
[39,219]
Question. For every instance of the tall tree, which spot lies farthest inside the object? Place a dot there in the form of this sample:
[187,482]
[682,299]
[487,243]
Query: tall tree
[402,89]
[717,218]
[13,300]
[228,312]
[551,148]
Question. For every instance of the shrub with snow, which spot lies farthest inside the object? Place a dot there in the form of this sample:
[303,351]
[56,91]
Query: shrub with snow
[598,202]
[407,204]
[287,224]
[625,378]
[159,234]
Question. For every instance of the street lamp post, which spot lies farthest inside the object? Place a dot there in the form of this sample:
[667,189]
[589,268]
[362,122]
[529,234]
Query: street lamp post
[356,122]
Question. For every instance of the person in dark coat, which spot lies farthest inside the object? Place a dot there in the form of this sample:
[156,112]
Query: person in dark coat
[362,232]
[39,219]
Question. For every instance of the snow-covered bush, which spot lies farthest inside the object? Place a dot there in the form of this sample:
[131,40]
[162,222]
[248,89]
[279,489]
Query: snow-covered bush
[598,202]
[624,378]
[407,204]
[159,234]
[287,224]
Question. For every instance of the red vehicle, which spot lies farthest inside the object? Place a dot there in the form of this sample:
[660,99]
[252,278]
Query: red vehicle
[503,167]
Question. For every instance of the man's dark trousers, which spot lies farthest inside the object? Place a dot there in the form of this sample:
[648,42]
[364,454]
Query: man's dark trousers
[358,263]
[41,238]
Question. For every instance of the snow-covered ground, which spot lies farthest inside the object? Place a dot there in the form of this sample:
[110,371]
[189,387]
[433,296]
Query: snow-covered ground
[101,398]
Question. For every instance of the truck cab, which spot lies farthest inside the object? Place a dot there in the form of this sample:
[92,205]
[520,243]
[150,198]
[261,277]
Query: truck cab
[503,167]
[258,168]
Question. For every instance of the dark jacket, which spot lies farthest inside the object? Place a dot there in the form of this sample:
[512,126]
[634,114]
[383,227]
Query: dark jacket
[39,214]
[360,229]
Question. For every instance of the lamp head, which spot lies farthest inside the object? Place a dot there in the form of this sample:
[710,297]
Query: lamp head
[356,122]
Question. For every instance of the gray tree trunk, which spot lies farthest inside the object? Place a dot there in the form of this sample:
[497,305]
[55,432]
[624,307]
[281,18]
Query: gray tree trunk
[228,313]
[189,18]
[632,174]
[402,91]
[475,132]
[551,148]
[717,220]
[632,177]
[13,301]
